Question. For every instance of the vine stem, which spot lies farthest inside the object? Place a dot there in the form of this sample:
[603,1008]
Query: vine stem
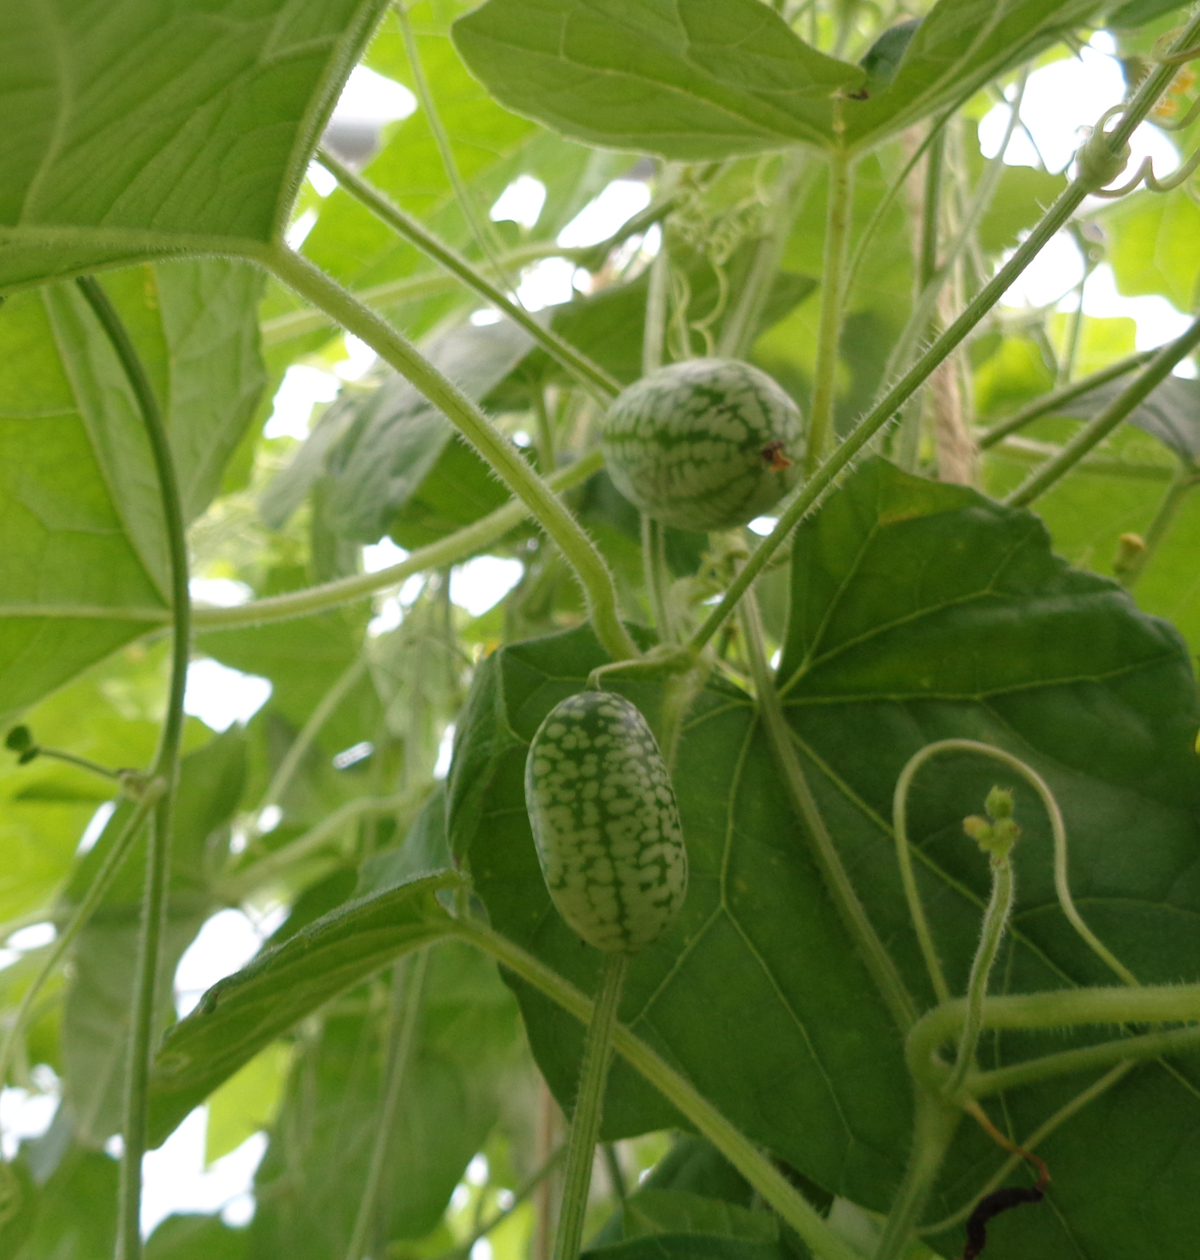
[439,555]
[242,882]
[480,228]
[406,1011]
[1052,1010]
[1058,831]
[837,235]
[166,768]
[1031,1143]
[589,1103]
[113,861]
[593,575]
[837,880]
[281,780]
[1051,402]
[591,376]
[934,1124]
[810,494]
[1182,484]
[995,923]
[1096,430]
[791,1205]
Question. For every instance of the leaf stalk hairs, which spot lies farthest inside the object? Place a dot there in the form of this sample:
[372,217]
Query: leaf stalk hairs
[505,460]
[166,768]
[808,496]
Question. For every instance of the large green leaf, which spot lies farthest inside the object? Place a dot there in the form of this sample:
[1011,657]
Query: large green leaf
[689,79]
[959,47]
[397,437]
[84,567]
[97,1014]
[144,130]
[72,1216]
[242,1014]
[920,611]
[310,1183]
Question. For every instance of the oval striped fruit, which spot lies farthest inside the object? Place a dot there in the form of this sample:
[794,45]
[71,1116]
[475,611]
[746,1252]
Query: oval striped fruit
[705,444]
[605,822]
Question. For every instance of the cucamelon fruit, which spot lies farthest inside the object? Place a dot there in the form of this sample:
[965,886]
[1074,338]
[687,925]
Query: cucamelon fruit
[605,822]
[704,444]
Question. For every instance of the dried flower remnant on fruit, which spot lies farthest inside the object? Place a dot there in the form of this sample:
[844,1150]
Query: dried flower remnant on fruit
[707,444]
[605,822]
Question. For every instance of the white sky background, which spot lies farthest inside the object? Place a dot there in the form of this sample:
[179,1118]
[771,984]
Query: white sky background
[1060,101]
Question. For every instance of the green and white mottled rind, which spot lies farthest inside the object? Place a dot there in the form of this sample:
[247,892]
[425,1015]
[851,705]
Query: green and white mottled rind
[605,822]
[694,444]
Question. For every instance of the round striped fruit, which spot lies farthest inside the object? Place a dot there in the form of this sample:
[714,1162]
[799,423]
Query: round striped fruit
[704,444]
[605,822]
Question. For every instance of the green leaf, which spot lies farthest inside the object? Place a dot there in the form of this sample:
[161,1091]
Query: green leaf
[247,1102]
[687,1247]
[392,440]
[651,1212]
[920,611]
[97,1012]
[245,1012]
[959,46]
[690,80]
[84,568]
[1154,245]
[74,1212]
[149,132]
[195,1237]
[311,1180]
[1021,195]
[757,942]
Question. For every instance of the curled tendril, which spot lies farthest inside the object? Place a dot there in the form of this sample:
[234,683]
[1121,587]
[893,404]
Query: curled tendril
[1099,163]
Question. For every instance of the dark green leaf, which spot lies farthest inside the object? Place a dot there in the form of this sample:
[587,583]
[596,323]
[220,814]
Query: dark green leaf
[74,1214]
[311,1180]
[691,80]
[240,1015]
[687,1247]
[652,1212]
[921,611]
[172,129]
[397,437]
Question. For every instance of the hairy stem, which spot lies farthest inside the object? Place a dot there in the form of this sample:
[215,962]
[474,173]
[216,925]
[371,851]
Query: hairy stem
[934,1123]
[1096,430]
[405,1014]
[995,923]
[591,376]
[837,879]
[589,1102]
[114,859]
[439,555]
[1056,399]
[1058,831]
[166,769]
[810,494]
[1056,1009]
[1031,1143]
[837,235]
[739,1150]
[589,567]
